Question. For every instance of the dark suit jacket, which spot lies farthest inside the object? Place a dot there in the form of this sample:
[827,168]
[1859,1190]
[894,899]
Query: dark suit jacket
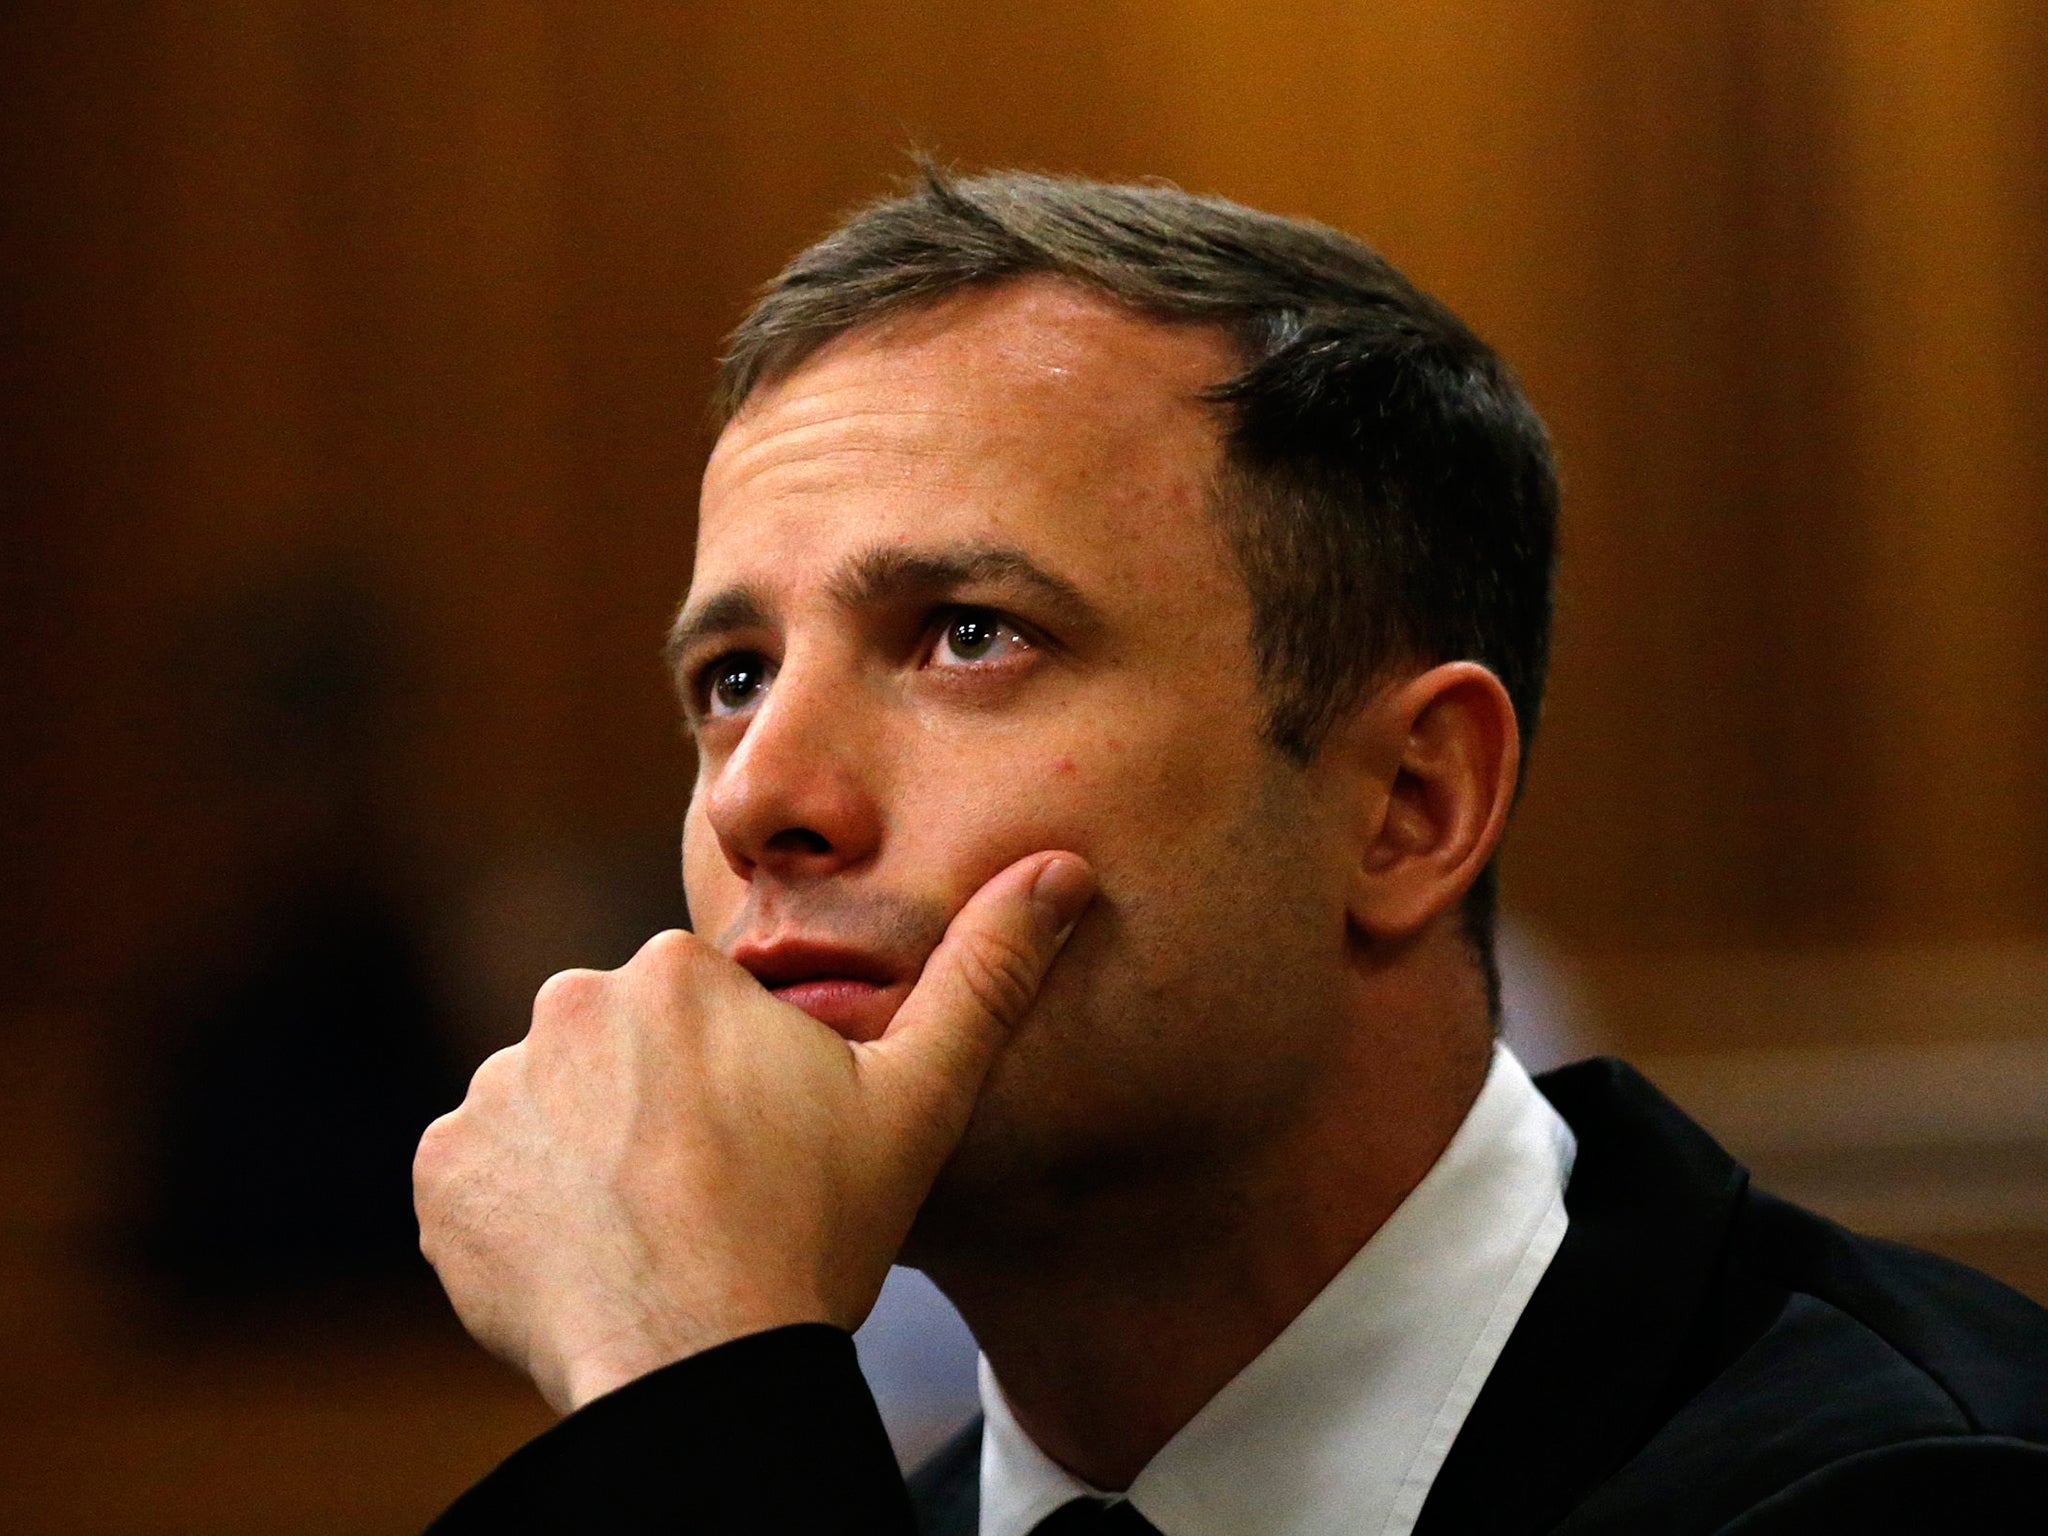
[1699,1358]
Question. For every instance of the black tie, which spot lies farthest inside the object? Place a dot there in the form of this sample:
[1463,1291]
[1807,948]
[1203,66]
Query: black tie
[1094,1517]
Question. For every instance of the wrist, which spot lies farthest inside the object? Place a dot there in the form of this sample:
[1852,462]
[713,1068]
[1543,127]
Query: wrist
[621,1359]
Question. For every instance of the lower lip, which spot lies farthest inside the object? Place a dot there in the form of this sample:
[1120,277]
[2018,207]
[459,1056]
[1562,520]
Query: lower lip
[859,1010]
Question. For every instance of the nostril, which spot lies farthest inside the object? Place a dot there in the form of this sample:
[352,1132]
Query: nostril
[799,840]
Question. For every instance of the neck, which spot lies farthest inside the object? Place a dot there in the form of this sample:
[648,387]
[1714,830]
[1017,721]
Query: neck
[1110,1337]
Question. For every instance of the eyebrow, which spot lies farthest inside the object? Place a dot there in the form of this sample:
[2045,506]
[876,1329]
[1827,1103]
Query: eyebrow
[729,612]
[877,576]
[888,573]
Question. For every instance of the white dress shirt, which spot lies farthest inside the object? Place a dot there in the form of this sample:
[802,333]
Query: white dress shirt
[1342,1422]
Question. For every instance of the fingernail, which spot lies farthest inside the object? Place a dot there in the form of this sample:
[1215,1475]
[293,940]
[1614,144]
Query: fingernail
[1061,893]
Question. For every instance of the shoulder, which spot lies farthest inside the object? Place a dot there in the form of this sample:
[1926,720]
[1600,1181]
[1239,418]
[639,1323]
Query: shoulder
[1702,1355]
[1830,1374]
[1961,1336]
[1906,1375]
[1971,1482]
[1761,1289]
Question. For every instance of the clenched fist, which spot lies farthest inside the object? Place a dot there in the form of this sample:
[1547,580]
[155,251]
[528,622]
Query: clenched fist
[673,1157]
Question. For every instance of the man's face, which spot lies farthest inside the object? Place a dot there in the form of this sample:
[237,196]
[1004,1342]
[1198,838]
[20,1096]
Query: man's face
[959,597]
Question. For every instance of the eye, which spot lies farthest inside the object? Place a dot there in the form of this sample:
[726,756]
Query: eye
[733,683]
[973,635]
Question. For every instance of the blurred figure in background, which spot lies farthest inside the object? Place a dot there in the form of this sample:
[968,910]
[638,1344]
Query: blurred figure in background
[304,1040]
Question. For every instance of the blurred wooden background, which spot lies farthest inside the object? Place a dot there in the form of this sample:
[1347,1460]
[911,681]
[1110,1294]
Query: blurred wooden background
[417,305]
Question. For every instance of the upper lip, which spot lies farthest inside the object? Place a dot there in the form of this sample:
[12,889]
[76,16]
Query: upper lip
[785,962]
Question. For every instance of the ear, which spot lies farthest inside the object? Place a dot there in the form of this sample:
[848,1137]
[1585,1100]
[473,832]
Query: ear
[1445,752]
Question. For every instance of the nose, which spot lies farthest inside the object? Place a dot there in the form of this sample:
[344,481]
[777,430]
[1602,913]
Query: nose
[796,799]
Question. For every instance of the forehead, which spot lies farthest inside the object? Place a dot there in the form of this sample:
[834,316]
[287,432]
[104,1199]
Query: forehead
[1036,413]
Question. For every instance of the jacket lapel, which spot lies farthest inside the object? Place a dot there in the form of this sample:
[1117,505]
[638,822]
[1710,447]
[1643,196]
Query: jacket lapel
[1603,1348]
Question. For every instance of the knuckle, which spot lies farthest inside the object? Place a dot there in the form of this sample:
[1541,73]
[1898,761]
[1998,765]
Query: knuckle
[566,992]
[440,1239]
[439,1167]
[493,1076]
[430,1158]
[1000,974]
[672,951]
[676,965]
[934,1123]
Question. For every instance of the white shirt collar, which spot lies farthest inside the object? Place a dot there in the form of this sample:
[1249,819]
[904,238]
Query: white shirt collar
[1341,1423]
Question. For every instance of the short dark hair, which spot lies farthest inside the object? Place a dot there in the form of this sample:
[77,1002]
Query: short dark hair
[1388,491]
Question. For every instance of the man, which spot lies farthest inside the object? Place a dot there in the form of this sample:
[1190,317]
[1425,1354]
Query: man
[1117,623]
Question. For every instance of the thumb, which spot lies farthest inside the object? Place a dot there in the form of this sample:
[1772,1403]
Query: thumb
[978,985]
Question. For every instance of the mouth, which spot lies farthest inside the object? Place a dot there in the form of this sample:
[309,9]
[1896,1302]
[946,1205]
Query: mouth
[853,992]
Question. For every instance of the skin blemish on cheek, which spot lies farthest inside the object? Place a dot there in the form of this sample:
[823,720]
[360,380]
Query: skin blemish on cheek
[1064,765]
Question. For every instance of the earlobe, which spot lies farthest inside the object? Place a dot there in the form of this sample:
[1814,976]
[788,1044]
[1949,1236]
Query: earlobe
[1450,753]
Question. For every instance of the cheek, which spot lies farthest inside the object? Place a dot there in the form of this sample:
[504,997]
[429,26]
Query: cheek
[960,831]
[1201,840]
[1119,793]
[974,808]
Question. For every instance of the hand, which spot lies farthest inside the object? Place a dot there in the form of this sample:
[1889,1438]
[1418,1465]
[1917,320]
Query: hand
[673,1157]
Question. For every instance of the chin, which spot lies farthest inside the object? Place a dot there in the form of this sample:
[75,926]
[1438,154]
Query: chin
[1000,1185]
[1039,1154]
